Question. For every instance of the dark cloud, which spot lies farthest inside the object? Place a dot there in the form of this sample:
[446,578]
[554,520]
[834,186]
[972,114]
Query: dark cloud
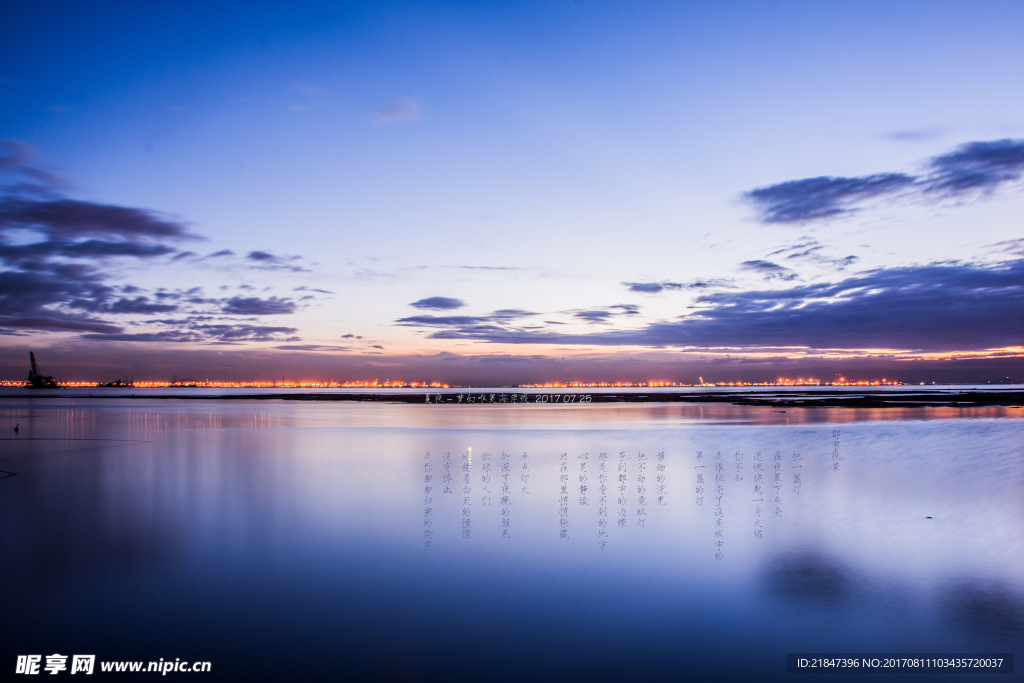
[51,296]
[971,169]
[266,260]
[713,283]
[221,253]
[240,333]
[438,303]
[176,336]
[652,287]
[813,251]
[450,320]
[49,283]
[255,306]
[1014,246]
[444,320]
[596,316]
[601,315]
[175,295]
[806,249]
[32,255]
[658,287]
[100,249]
[55,253]
[932,308]
[57,323]
[768,270]
[312,289]
[976,166]
[227,333]
[70,219]
[140,304]
[312,347]
[264,256]
[497,324]
[797,201]
[510,314]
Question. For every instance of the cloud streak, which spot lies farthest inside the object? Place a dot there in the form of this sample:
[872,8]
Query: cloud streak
[976,166]
[498,324]
[665,286]
[813,252]
[199,333]
[934,308]
[768,270]
[808,199]
[265,260]
[256,306]
[56,255]
[970,170]
[404,110]
[65,219]
[607,313]
[438,303]
[653,287]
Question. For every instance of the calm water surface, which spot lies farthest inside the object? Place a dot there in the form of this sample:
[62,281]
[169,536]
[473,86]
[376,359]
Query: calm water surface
[306,541]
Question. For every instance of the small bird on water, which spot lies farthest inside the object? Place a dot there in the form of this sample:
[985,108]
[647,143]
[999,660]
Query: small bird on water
[16,427]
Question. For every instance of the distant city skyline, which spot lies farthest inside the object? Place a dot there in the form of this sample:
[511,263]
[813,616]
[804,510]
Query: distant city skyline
[490,194]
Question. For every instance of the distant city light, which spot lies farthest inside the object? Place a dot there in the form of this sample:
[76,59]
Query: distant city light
[839,381]
[212,384]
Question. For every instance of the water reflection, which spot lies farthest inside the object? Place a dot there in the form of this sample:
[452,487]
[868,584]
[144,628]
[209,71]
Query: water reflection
[69,524]
[480,543]
[990,610]
[810,579]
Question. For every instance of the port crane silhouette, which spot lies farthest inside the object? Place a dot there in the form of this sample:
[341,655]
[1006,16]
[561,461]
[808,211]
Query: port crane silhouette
[37,380]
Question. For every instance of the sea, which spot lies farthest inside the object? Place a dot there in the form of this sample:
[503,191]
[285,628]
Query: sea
[287,540]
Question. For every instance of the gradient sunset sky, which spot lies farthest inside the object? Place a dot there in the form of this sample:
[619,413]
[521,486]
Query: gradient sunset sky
[497,192]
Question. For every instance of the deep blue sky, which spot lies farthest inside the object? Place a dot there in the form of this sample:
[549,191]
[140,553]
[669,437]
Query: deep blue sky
[604,188]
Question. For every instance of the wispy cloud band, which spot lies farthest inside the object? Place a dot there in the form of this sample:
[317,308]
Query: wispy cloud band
[972,168]
[936,307]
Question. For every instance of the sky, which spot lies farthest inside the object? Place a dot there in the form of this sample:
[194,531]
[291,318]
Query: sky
[503,193]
